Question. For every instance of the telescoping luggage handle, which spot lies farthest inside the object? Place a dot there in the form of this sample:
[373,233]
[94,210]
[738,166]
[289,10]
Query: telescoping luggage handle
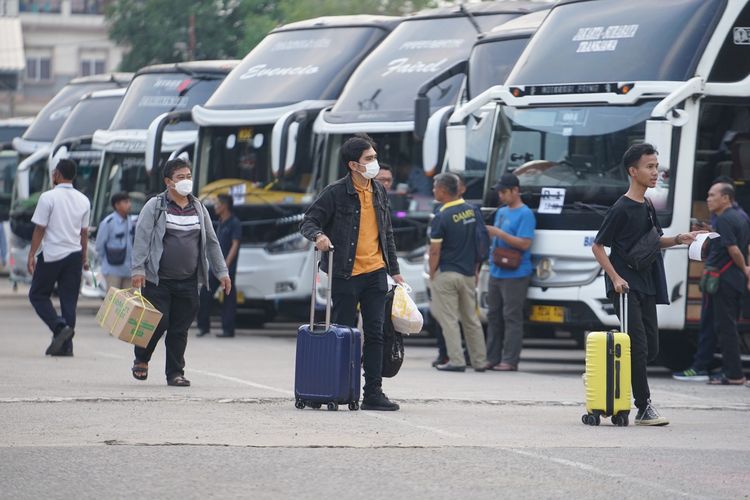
[315,288]
[624,311]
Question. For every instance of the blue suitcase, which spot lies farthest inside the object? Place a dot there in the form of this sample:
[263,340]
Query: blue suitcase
[328,360]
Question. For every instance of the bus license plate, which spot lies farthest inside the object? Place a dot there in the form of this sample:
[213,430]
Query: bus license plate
[547,314]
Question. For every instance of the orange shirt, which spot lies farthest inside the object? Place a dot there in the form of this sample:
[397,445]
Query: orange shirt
[369,258]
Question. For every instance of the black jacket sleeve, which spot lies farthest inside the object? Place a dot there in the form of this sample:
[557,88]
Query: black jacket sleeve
[318,215]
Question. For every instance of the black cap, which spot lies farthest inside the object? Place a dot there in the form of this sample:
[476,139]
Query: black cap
[507,181]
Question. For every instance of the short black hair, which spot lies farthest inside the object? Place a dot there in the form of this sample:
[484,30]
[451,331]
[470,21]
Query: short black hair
[723,179]
[172,165]
[461,178]
[67,168]
[634,153]
[118,197]
[385,166]
[226,200]
[448,181]
[726,189]
[353,148]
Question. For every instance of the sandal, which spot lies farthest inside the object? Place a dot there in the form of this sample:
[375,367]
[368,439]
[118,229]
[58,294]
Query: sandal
[140,370]
[727,381]
[178,381]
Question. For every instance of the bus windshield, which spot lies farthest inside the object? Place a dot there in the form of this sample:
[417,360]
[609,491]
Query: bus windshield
[296,65]
[491,62]
[123,172]
[383,87]
[88,116]
[577,150]
[152,94]
[49,120]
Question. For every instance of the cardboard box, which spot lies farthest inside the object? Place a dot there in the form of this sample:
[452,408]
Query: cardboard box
[125,314]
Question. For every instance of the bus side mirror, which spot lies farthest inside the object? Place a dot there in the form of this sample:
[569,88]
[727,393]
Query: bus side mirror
[455,136]
[421,116]
[659,135]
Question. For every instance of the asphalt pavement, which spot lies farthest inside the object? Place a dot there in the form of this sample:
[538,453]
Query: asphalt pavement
[82,427]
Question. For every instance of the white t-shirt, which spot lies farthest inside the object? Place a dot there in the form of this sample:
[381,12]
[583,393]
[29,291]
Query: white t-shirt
[63,211]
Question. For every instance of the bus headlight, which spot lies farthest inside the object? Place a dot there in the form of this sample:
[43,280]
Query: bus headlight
[544,268]
[291,243]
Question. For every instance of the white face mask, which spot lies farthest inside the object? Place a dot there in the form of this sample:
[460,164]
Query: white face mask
[371,169]
[184,187]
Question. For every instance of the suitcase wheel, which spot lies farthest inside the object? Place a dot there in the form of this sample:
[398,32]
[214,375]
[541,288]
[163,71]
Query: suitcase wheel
[333,407]
[299,404]
[354,406]
[620,420]
[591,419]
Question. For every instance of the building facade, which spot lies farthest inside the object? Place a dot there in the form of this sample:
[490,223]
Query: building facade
[62,39]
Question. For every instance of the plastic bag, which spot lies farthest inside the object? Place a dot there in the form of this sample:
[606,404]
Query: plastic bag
[404,314]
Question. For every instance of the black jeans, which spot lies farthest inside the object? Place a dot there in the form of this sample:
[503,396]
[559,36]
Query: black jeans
[726,308]
[66,273]
[228,306]
[643,330]
[367,290]
[177,300]
[704,354]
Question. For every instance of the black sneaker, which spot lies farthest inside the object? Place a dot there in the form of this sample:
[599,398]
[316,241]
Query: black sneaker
[225,334]
[203,333]
[447,367]
[439,361]
[378,402]
[58,339]
[649,416]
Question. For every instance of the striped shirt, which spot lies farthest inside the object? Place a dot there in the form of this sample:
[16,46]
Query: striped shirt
[181,242]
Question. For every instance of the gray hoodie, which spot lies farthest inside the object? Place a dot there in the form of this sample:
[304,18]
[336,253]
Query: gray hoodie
[149,235]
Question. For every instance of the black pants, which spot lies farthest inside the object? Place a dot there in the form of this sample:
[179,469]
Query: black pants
[726,308]
[228,306]
[177,300]
[66,273]
[704,354]
[367,290]
[643,330]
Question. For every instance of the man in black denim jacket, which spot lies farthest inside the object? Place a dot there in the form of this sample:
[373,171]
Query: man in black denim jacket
[352,215]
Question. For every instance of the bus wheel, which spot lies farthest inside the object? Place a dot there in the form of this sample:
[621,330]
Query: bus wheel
[676,349]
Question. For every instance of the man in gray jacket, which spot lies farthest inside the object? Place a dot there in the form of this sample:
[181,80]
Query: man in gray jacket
[175,245]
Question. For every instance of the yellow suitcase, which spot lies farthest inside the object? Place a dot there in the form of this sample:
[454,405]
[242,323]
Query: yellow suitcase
[607,377]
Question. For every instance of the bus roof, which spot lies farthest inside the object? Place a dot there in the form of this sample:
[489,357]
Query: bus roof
[221,66]
[385,22]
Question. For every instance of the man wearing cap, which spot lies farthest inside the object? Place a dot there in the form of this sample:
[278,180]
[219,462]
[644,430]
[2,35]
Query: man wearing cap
[513,231]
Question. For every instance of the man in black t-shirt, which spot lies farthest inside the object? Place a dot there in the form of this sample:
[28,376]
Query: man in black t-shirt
[626,223]
[726,254]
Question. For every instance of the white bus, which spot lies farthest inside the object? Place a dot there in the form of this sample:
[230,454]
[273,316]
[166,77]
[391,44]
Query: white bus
[379,100]
[33,147]
[254,142]
[597,77]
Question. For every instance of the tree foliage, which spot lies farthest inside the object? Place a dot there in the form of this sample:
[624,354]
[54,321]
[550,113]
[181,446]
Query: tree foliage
[157,31]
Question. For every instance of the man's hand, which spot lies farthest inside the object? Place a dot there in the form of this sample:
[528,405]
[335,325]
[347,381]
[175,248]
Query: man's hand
[398,279]
[688,238]
[86,266]
[31,264]
[138,281]
[322,243]
[494,232]
[621,286]
[226,284]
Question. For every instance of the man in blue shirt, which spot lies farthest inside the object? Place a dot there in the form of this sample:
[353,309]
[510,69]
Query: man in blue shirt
[229,234]
[453,275]
[514,230]
[114,242]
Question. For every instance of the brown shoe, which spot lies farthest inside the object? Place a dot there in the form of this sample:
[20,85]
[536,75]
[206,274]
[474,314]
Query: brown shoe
[505,367]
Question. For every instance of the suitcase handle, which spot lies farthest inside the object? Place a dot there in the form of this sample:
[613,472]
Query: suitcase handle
[316,252]
[624,310]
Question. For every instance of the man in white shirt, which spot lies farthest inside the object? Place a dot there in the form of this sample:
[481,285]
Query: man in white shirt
[61,218]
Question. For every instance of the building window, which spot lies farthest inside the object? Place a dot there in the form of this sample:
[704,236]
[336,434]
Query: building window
[43,6]
[92,67]
[38,68]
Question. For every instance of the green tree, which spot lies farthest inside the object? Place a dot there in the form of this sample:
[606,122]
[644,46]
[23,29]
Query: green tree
[158,31]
